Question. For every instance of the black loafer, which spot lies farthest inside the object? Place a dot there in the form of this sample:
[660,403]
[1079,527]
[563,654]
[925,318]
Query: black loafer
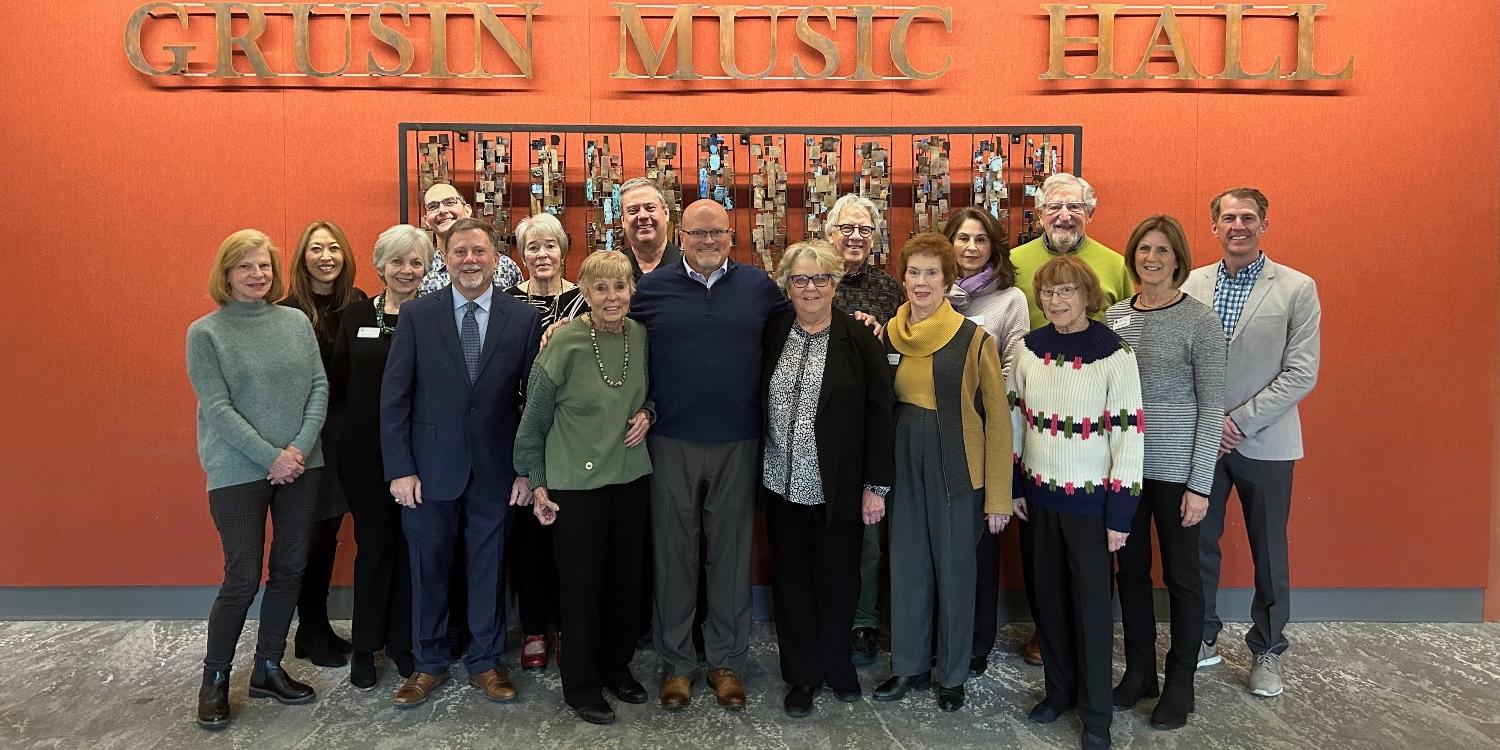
[362,672]
[213,700]
[799,701]
[597,714]
[896,688]
[628,690]
[950,699]
[1045,713]
[269,680]
[851,695]
[977,665]
[862,646]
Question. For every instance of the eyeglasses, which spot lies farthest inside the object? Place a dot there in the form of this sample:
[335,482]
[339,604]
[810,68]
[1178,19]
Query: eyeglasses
[849,229]
[1053,209]
[703,234]
[451,201]
[1066,291]
[819,280]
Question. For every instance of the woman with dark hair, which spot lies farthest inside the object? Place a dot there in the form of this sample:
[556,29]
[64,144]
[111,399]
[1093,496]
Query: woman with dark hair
[986,293]
[322,285]
[1179,348]
[262,397]
[1075,400]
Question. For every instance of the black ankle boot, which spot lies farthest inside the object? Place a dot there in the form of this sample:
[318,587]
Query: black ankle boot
[317,649]
[1134,686]
[1176,703]
[269,680]
[213,699]
[362,672]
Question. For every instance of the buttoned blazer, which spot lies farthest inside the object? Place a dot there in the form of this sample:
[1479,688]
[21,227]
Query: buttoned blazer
[433,423]
[855,423]
[1273,357]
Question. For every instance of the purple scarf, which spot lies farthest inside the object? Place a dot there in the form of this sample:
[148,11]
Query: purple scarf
[978,281]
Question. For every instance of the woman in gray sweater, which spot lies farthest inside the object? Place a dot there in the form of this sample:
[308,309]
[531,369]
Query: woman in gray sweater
[262,396]
[1180,350]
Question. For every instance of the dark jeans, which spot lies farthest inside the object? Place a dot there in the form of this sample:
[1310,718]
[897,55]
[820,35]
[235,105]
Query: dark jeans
[815,588]
[1265,491]
[1161,501]
[599,538]
[1070,555]
[239,512]
[382,569]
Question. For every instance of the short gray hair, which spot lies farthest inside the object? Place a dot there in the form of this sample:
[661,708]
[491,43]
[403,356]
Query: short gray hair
[400,240]
[818,250]
[640,182]
[836,213]
[1068,180]
[544,225]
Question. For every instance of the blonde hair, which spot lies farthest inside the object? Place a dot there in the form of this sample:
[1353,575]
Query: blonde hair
[232,250]
[606,264]
[820,251]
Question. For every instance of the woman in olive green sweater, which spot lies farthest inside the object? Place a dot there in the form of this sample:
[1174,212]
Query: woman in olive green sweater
[582,443]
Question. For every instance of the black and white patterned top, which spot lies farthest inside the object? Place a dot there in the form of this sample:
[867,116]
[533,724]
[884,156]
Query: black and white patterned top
[792,416]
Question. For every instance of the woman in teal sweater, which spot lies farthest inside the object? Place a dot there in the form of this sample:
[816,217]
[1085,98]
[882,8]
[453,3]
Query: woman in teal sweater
[582,443]
[262,396]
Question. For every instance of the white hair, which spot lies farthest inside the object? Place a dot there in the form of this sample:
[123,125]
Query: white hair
[544,225]
[400,240]
[1063,180]
[836,214]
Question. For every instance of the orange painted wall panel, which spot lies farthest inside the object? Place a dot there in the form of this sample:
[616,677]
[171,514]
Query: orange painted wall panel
[117,189]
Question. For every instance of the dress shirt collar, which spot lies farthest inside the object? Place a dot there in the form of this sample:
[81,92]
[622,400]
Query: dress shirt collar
[483,299]
[1248,273]
[711,278]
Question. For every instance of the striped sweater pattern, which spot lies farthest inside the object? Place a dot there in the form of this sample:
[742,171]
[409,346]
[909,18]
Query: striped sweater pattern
[1078,423]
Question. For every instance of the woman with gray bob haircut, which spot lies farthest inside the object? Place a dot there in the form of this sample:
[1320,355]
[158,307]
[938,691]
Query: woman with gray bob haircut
[382,573]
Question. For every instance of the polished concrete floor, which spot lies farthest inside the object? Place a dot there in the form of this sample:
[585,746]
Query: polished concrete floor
[132,685]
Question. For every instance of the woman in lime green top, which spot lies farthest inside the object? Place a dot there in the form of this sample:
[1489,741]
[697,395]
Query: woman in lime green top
[953,472]
[582,443]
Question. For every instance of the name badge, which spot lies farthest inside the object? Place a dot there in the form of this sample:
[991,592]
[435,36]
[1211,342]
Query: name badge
[978,320]
[368,332]
[1121,324]
[893,358]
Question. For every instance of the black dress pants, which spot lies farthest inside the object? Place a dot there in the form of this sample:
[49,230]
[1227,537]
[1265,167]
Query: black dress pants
[1071,559]
[815,589]
[312,599]
[382,568]
[533,574]
[598,539]
[986,593]
[1161,501]
[239,513]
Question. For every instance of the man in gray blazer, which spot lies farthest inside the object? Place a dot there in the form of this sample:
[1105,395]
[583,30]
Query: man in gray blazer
[1271,316]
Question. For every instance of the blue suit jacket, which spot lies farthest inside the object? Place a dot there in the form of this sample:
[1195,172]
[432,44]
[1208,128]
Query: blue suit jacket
[432,422]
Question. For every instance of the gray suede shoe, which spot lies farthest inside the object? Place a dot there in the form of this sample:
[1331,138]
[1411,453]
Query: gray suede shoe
[1265,676]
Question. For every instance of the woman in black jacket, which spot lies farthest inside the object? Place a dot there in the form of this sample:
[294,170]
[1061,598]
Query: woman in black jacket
[826,383]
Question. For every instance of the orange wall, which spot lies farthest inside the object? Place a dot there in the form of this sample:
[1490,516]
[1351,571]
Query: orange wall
[117,188]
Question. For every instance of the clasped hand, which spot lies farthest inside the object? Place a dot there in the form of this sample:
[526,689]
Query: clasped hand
[288,466]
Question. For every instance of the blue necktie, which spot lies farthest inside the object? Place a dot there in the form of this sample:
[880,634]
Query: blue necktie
[468,338]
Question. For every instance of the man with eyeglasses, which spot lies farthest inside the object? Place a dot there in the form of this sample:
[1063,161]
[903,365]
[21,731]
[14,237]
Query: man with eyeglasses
[1271,317]
[1066,203]
[646,219]
[704,316]
[441,206]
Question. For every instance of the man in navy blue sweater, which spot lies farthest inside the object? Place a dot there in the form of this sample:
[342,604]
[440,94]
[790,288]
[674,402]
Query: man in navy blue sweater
[704,315]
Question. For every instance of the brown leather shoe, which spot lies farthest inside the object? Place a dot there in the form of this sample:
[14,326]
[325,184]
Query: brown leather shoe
[676,692]
[495,684]
[417,687]
[727,688]
[1032,653]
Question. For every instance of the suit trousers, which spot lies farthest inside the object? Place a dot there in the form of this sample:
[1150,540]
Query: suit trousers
[533,574]
[705,489]
[1265,490]
[432,536]
[1071,559]
[867,611]
[986,593]
[312,597]
[1161,501]
[933,542]
[382,567]
[239,512]
[814,587]
[598,539]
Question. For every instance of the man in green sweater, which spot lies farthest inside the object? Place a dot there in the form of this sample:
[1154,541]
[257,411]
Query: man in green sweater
[1066,203]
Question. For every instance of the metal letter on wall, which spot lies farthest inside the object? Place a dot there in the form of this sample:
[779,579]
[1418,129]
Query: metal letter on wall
[633,29]
[768,199]
[133,51]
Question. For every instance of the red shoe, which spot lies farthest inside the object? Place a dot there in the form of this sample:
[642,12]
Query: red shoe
[534,653]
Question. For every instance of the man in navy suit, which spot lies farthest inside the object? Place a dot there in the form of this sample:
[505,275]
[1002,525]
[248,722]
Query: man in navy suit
[450,404]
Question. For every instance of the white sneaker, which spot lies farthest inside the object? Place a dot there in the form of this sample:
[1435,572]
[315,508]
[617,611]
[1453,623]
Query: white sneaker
[1265,676]
[1208,655]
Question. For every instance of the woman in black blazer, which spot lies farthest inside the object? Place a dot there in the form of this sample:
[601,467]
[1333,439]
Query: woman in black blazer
[825,382]
[382,571]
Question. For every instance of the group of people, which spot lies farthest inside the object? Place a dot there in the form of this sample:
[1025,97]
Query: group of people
[626,428]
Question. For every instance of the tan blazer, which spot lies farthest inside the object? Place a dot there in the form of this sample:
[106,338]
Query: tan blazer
[1273,357]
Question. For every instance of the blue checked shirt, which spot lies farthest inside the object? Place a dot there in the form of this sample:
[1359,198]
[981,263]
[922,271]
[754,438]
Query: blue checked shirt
[1231,291]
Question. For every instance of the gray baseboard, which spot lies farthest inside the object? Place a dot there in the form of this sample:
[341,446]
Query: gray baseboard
[193,602]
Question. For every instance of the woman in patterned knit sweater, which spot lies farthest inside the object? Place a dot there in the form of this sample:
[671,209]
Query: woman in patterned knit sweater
[1077,417]
[986,293]
[1179,345]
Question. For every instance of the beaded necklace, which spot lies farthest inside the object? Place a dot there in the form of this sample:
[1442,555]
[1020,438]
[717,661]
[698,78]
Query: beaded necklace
[599,359]
[380,315]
